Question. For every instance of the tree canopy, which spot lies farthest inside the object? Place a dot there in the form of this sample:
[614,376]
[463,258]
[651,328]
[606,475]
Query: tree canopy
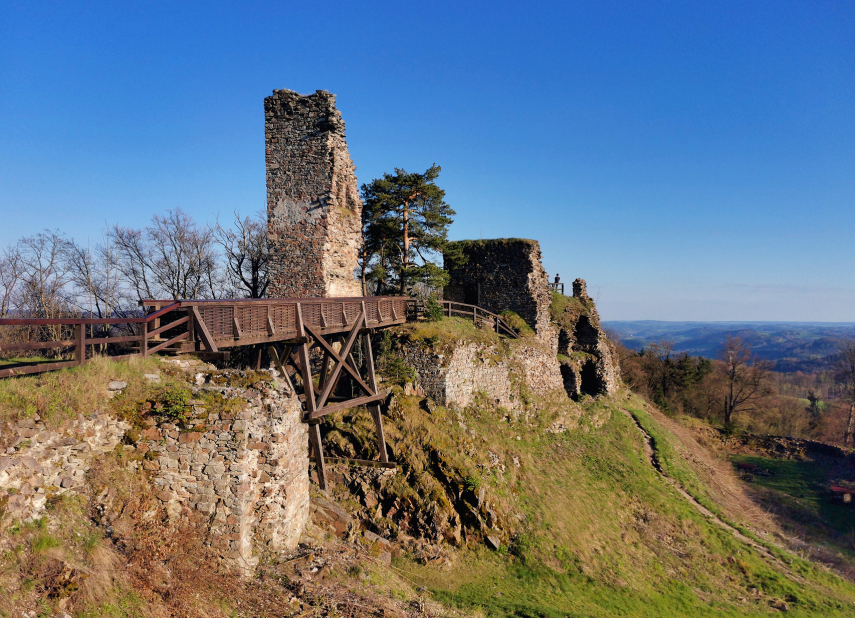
[405,223]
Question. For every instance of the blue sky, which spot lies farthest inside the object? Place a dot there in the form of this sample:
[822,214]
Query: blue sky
[690,160]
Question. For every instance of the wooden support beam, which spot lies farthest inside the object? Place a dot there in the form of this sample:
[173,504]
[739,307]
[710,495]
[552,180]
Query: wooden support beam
[280,362]
[309,390]
[204,334]
[315,441]
[236,326]
[271,330]
[370,463]
[330,351]
[343,405]
[374,409]
[339,366]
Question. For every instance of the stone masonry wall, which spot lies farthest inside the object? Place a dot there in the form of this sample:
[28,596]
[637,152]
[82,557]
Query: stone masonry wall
[247,471]
[589,368]
[313,204]
[42,462]
[456,377]
[502,274]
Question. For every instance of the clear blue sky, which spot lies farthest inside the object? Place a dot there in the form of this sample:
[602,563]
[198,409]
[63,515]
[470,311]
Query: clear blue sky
[690,160]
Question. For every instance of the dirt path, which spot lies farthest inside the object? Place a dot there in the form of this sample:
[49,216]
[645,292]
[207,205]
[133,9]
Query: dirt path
[650,454]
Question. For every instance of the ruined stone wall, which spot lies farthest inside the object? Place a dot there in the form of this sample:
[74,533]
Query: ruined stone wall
[246,471]
[502,274]
[589,367]
[313,205]
[42,462]
[457,376]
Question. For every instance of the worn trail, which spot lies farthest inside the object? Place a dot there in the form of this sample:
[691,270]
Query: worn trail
[650,454]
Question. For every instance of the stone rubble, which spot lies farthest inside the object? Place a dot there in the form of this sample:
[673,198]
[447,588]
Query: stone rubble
[42,463]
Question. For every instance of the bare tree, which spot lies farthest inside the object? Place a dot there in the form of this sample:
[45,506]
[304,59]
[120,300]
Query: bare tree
[173,257]
[95,276]
[745,378]
[246,253]
[44,274]
[10,278]
[846,377]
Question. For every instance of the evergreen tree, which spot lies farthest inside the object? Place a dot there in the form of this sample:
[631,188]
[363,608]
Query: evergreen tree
[405,224]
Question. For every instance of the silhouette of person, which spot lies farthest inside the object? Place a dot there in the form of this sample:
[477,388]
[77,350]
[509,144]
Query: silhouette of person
[557,278]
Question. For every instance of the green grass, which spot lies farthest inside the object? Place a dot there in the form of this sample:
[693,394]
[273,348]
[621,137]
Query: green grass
[29,360]
[602,534]
[801,487]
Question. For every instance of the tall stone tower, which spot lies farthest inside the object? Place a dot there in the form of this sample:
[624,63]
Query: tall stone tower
[313,206]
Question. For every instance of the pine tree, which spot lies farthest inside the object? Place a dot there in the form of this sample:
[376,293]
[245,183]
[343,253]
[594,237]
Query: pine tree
[405,225]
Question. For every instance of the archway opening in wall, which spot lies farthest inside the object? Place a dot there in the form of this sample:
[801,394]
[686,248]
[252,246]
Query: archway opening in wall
[585,333]
[470,295]
[591,384]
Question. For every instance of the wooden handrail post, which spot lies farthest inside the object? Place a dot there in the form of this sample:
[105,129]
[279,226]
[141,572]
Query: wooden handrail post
[80,332]
[144,339]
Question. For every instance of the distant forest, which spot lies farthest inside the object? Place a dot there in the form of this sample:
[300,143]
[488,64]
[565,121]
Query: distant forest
[790,346]
[793,379]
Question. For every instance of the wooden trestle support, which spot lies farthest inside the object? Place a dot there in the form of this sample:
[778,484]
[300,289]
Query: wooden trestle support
[320,400]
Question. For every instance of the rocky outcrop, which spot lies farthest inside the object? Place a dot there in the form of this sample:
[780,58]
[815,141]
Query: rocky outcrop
[313,204]
[587,363]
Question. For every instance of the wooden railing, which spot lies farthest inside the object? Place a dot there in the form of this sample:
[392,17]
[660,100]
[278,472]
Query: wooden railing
[479,316]
[207,326]
[556,287]
[80,340]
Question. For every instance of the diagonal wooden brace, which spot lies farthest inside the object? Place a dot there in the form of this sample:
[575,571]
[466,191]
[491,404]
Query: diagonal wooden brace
[330,351]
[348,346]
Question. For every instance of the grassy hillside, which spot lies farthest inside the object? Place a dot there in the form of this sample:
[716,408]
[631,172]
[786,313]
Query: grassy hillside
[586,524]
[602,534]
[588,527]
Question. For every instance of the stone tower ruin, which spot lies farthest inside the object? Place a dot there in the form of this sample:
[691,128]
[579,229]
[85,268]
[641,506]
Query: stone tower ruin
[313,206]
[500,274]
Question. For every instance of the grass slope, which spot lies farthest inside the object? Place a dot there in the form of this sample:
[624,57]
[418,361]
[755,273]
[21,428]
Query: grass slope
[604,535]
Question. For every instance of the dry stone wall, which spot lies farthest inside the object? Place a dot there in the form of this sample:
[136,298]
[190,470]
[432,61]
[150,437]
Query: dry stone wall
[246,471]
[313,205]
[41,462]
[457,376]
[243,469]
[501,274]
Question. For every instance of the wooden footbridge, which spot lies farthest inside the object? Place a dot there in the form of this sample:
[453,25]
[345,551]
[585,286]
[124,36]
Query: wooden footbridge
[313,342]
[312,339]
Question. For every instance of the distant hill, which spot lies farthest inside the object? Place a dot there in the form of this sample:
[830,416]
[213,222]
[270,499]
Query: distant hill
[793,346]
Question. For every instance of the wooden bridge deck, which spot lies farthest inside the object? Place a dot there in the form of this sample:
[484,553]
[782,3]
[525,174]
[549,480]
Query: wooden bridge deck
[218,324]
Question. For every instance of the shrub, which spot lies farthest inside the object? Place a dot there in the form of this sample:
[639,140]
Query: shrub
[433,311]
[173,400]
[516,322]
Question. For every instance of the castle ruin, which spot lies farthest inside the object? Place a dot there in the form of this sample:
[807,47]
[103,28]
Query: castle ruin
[506,274]
[313,205]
